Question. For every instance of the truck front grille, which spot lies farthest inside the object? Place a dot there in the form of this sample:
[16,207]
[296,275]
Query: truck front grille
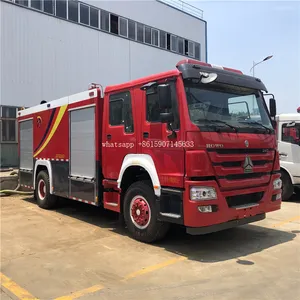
[232,164]
[241,151]
[231,173]
[238,200]
[243,176]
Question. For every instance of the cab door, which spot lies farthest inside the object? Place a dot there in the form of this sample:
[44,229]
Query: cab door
[158,141]
[119,134]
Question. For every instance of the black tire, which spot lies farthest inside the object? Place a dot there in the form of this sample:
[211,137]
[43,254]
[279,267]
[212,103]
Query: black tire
[43,198]
[154,229]
[287,187]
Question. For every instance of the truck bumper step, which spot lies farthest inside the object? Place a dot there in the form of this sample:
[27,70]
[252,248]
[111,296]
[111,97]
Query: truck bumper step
[223,226]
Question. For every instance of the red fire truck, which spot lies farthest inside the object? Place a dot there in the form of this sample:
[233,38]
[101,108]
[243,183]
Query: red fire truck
[176,147]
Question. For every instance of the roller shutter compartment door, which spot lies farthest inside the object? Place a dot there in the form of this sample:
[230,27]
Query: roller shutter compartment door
[26,145]
[82,143]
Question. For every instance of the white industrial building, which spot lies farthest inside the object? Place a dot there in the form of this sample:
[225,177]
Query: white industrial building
[53,48]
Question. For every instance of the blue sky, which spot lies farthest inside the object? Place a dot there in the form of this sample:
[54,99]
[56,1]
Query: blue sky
[240,32]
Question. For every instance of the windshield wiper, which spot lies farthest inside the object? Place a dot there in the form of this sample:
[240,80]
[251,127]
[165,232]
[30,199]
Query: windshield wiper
[223,122]
[256,123]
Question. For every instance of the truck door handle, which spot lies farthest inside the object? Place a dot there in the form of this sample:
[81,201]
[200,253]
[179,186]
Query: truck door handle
[146,134]
[283,154]
[108,136]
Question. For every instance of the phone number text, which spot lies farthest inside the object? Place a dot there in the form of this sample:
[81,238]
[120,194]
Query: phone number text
[167,144]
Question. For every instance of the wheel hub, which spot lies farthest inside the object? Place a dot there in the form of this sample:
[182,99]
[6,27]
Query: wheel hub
[42,189]
[140,212]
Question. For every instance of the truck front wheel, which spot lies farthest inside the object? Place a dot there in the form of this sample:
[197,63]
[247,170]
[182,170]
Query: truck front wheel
[42,192]
[140,213]
[287,186]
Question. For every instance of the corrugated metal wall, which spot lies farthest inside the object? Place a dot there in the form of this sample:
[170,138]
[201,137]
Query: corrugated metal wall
[43,57]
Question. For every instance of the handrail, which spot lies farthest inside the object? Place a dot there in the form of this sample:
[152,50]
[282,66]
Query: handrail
[185,7]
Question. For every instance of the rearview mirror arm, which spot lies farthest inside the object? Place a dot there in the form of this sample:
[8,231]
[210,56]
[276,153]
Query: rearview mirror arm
[173,135]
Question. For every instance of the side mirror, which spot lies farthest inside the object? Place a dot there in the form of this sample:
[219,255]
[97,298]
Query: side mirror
[272,106]
[166,117]
[164,96]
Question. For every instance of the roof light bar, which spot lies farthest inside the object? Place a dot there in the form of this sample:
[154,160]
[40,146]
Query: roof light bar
[197,62]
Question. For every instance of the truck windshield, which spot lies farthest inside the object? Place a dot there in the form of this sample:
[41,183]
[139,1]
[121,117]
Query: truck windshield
[227,106]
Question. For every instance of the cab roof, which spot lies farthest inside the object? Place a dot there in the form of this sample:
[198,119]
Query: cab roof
[174,72]
[141,81]
[288,117]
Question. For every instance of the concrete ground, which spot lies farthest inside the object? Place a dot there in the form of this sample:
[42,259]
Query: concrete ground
[80,251]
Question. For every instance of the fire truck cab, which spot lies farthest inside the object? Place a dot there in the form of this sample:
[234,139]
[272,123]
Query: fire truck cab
[288,136]
[179,147]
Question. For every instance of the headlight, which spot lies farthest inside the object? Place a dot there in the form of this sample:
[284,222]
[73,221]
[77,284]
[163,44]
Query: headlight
[203,193]
[277,184]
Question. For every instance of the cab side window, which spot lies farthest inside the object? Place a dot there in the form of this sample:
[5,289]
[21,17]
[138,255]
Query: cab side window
[291,134]
[120,111]
[152,106]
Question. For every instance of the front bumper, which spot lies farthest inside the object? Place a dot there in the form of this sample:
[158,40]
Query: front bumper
[224,215]
[223,226]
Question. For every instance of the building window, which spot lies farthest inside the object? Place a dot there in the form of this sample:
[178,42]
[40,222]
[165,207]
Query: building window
[94,17]
[84,14]
[186,47]
[8,133]
[131,30]
[154,37]
[8,124]
[123,30]
[37,4]
[72,10]
[191,49]
[49,6]
[61,9]
[174,43]
[22,2]
[168,41]
[147,35]
[114,24]
[197,51]
[8,112]
[162,39]
[140,32]
[104,20]
[180,45]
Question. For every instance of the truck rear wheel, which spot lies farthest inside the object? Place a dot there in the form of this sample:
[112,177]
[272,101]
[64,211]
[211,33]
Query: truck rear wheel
[287,186]
[140,213]
[42,192]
